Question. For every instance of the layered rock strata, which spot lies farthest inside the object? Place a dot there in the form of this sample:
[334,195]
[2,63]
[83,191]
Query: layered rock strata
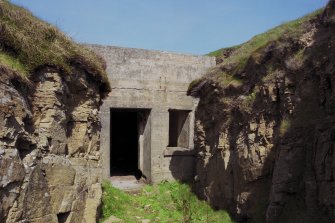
[265,140]
[49,147]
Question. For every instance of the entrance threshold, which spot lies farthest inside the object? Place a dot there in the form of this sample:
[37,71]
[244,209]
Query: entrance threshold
[127,183]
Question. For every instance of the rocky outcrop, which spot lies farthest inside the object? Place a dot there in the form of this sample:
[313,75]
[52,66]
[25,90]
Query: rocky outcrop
[49,147]
[265,138]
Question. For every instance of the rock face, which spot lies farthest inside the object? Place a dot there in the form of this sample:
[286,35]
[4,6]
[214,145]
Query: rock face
[50,167]
[266,145]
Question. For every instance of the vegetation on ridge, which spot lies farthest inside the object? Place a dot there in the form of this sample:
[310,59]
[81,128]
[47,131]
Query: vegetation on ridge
[165,202]
[27,44]
[234,63]
[241,53]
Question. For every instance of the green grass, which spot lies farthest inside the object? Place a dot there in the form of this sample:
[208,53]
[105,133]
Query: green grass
[219,53]
[249,100]
[228,80]
[235,59]
[216,53]
[12,63]
[165,202]
[27,44]
[243,52]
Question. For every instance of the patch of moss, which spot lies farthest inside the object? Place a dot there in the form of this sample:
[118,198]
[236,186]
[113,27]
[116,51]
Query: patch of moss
[12,63]
[226,80]
[250,99]
[285,125]
[247,104]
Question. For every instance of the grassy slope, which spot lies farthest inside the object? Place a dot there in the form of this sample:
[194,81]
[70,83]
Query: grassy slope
[242,52]
[237,65]
[27,43]
[165,202]
[235,59]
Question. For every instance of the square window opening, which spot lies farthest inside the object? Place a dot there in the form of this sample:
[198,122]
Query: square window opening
[179,128]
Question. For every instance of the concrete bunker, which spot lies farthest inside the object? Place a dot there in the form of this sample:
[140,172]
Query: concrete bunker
[149,92]
[130,142]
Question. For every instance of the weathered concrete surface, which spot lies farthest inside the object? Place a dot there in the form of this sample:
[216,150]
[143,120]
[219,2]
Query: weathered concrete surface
[157,81]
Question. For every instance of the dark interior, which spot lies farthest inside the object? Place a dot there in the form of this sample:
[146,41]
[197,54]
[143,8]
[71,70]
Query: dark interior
[177,120]
[173,129]
[124,143]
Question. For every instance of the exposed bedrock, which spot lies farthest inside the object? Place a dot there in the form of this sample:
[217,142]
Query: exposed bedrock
[49,148]
[266,146]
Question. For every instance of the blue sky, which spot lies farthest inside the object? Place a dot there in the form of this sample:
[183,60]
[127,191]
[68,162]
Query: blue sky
[188,26]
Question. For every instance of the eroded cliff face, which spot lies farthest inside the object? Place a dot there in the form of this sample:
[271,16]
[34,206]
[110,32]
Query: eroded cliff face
[49,147]
[265,139]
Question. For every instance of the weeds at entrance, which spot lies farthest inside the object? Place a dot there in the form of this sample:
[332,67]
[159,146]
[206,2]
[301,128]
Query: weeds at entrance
[165,202]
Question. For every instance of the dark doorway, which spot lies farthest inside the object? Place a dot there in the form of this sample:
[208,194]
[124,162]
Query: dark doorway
[124,142]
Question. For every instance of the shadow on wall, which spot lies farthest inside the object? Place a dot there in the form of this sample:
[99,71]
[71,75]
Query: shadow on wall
[182,164]
[276,162]
[233,163]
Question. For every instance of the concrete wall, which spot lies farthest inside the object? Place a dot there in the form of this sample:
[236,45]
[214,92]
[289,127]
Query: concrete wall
[158,81]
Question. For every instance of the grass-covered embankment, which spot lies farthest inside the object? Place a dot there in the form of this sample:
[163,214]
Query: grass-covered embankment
[165,202]
[28,44]
[241,53]
[233,61]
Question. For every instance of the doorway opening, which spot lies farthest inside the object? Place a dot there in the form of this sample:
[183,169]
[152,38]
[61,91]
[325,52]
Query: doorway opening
[130,142]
